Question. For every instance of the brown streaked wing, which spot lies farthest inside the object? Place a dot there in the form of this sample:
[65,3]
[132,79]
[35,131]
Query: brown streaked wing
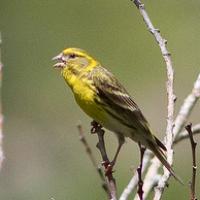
[116,98]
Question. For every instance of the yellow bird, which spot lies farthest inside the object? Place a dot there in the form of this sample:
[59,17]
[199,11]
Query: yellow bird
[104,99]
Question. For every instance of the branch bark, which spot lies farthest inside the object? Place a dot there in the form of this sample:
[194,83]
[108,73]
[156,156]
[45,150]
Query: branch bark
[169,131]
[134,180]
[180,121]
[170,79]
[139,171]
[92,158]
[97,128]
[184,134]
[187,107]
[194,165]
[1,114]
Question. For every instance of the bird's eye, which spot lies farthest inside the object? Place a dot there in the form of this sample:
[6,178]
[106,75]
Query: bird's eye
[72,55]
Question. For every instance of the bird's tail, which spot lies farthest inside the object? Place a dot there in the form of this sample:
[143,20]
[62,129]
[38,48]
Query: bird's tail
[157,150]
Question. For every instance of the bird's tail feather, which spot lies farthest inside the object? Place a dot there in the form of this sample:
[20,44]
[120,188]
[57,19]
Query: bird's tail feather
[160,155]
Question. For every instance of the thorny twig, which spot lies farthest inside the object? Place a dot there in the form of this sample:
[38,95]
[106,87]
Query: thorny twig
[194,165]
[97,128]
[92,158]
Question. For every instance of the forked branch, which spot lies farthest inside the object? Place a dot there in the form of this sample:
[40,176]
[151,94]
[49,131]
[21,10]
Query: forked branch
[185,110]
[97,128]
[184,134]
[170,90]
[92,158]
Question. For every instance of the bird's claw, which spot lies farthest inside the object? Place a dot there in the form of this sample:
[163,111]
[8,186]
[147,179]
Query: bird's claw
[108,167]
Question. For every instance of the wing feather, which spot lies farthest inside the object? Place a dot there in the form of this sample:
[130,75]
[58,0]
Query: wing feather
[117,100]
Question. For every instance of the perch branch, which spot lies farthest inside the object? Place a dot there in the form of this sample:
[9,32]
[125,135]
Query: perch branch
[194,165]
[170,78]
[1,115]
[134,180]
[139,171]
[179,122]
[151,176]
[92,158]
[97,128]
[169,130]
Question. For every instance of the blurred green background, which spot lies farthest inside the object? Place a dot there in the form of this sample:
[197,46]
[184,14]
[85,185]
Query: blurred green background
[44,158]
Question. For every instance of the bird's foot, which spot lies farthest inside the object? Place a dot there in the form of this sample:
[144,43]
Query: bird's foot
[96,128]
[108,167]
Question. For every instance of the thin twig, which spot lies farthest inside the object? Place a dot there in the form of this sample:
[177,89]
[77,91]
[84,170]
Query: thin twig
[97,128]
[92,158]
[170,78]
[184,134]
[151,179]
[187,107]
[1,114]
[134,180]
[194,165]
[169,130]
[86,145]
[180,121]
[139,171]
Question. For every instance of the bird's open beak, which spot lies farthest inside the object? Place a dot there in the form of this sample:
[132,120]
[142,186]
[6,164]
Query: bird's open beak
[61,62]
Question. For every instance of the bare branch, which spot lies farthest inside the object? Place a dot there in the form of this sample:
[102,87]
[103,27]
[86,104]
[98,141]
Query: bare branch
[180,121]
[1,64]
[187,107]
[92,158]
[170,78]
[184,134]
[155,32]
[86,145]
[139,171]
[169,131]
[1,115]
[151,176]
[194,165]
[134,180]
[97,128]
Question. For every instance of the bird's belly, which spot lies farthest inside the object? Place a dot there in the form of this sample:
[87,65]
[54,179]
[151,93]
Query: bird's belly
[114,125]
[96,111]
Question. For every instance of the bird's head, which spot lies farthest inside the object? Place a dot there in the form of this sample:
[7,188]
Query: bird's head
[74,59]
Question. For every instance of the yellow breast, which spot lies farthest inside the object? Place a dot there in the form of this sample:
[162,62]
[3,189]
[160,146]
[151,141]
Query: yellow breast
[85,95]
